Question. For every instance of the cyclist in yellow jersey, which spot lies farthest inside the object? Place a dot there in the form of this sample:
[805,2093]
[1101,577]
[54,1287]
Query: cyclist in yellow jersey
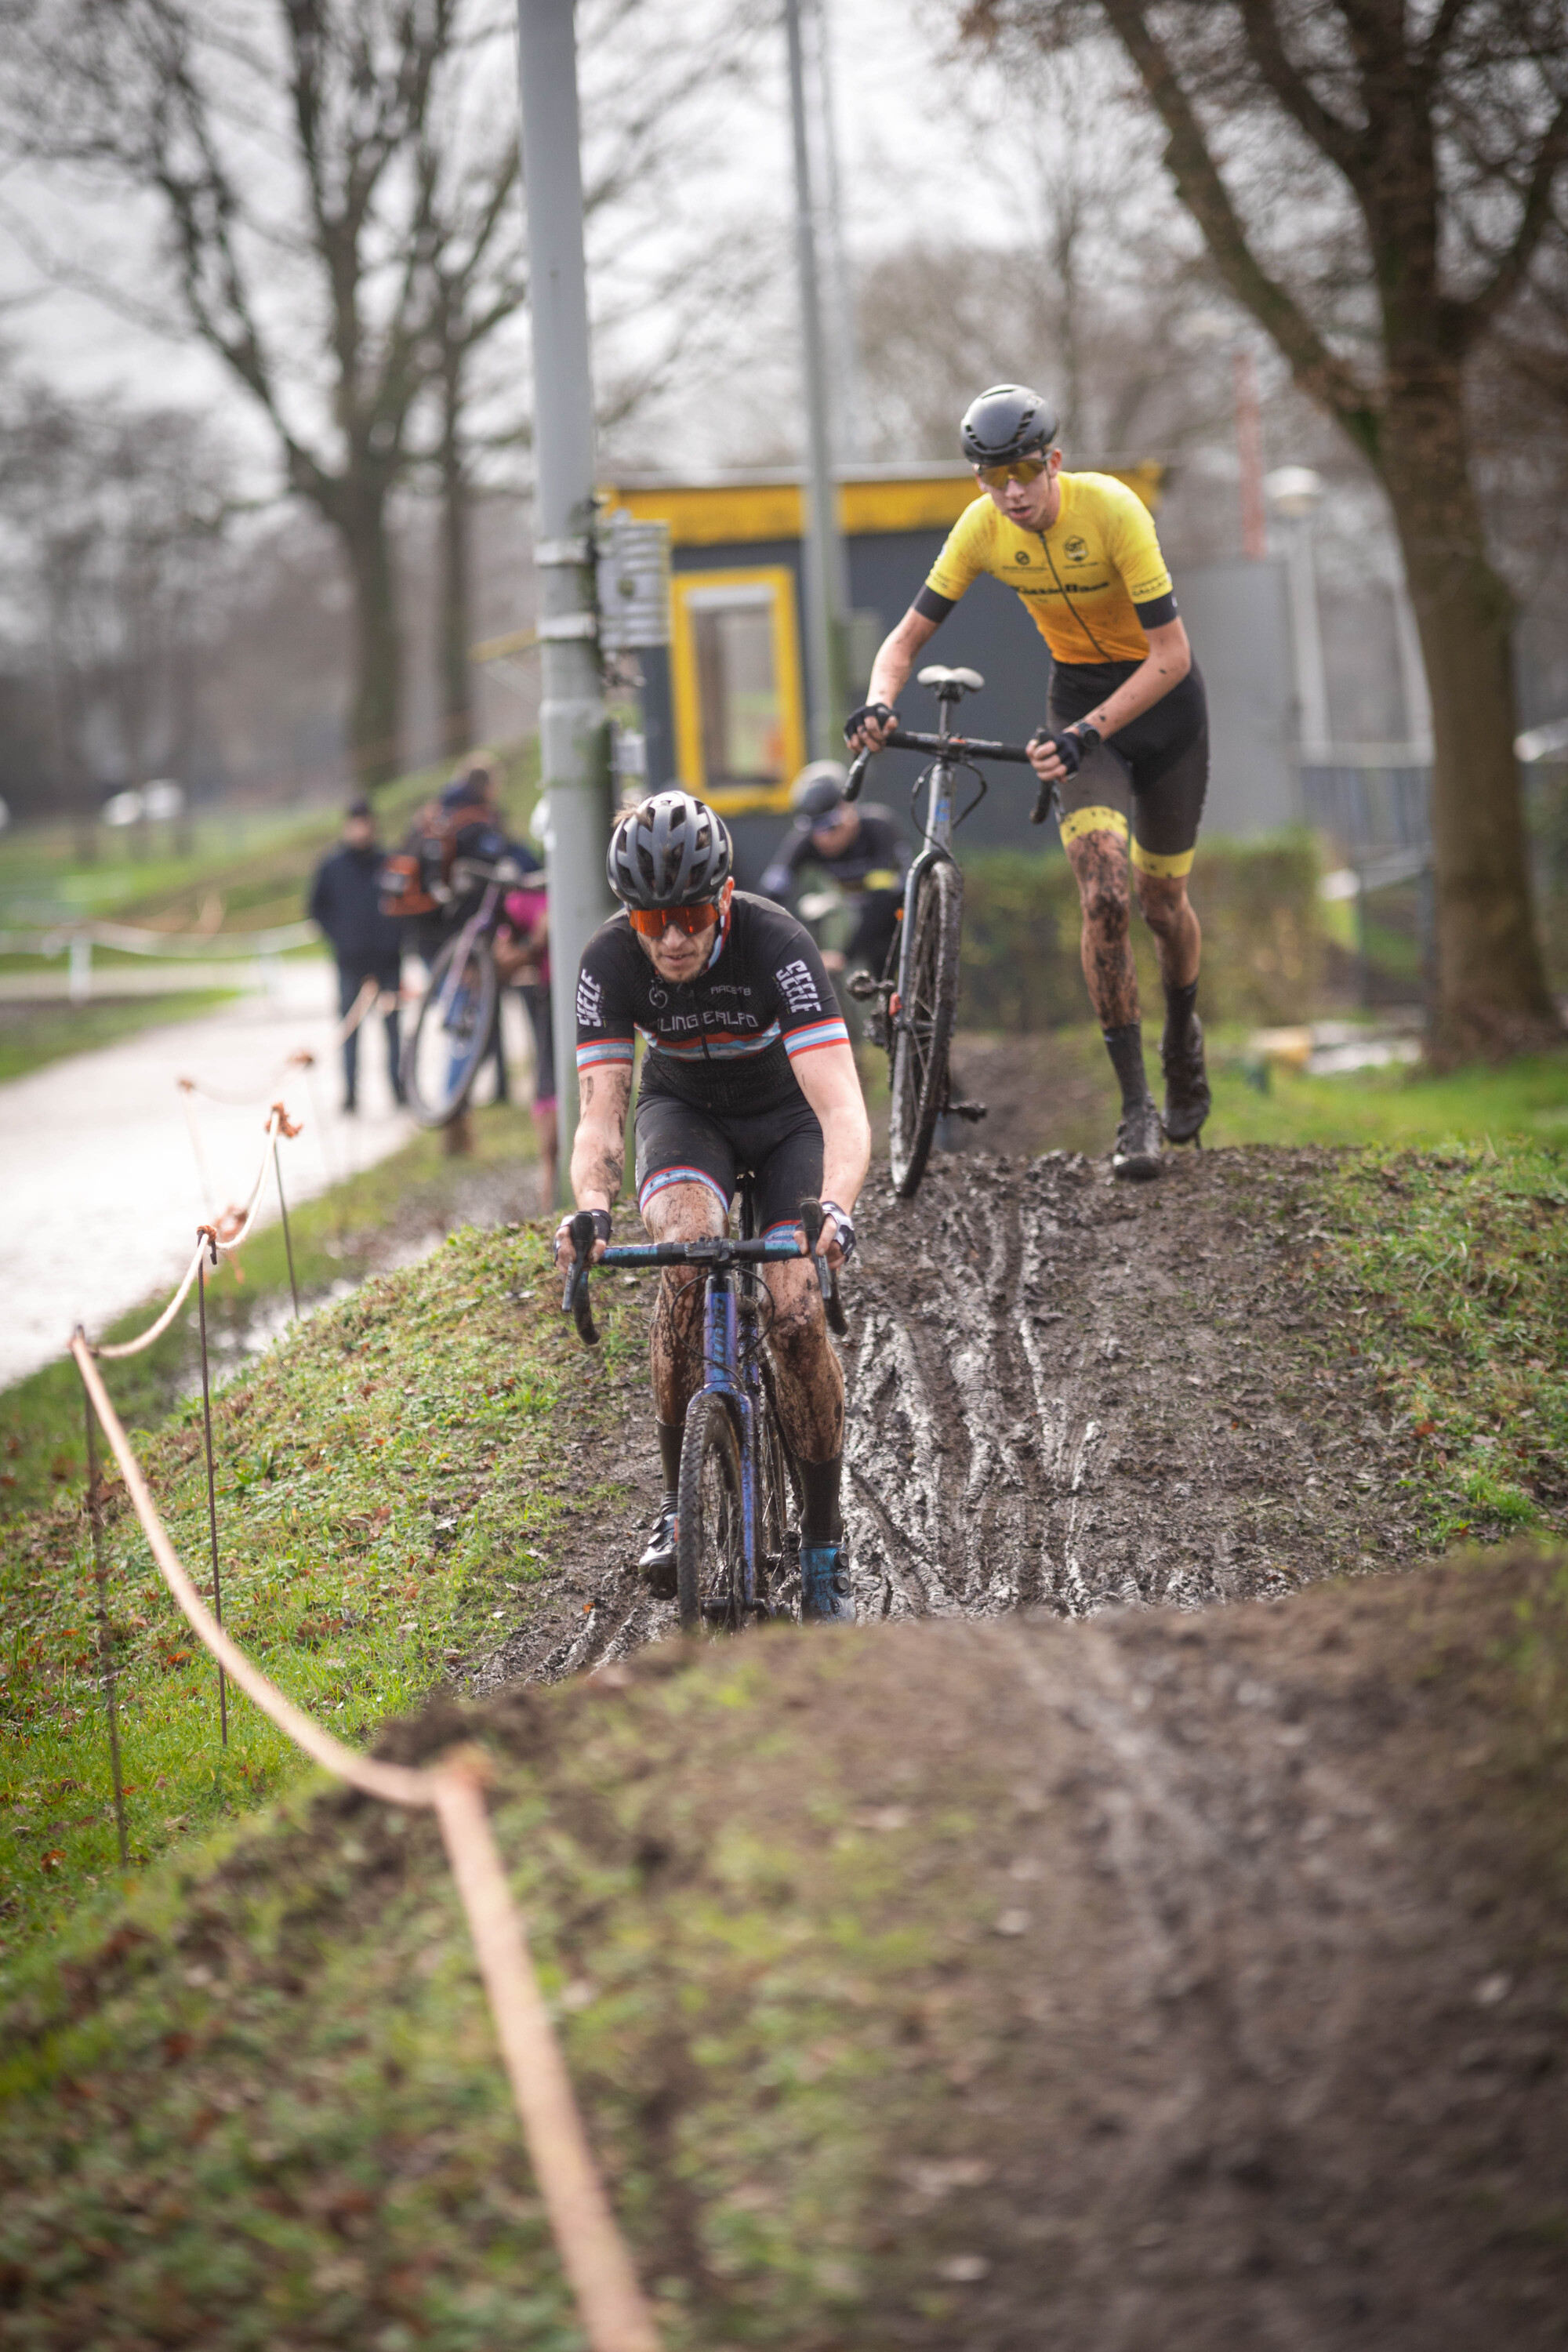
[1126,744]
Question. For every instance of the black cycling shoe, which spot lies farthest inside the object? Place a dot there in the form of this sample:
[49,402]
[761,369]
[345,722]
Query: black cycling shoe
[658,1562]
[1138,1142]
[1187,1097]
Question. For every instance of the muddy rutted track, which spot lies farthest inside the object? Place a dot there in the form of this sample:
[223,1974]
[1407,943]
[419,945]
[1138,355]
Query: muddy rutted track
[1065,1393]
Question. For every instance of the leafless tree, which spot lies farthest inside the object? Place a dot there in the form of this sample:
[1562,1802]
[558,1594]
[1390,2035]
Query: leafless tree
[338,181]
[113,576]
[1378,182]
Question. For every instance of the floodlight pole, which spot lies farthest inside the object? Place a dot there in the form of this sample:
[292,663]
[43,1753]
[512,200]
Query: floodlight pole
[573,730]
[825,571]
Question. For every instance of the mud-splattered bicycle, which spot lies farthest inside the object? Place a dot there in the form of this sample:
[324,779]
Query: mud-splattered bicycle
[737,1554]
[918,992]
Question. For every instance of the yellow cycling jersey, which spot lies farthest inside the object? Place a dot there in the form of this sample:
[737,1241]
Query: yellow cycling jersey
[1085,581]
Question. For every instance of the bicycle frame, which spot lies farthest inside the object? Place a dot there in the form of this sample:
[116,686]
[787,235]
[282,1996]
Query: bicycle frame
[477,924]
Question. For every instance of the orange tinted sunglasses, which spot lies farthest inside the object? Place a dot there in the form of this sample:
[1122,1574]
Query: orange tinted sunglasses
[1022,470]
[654,921]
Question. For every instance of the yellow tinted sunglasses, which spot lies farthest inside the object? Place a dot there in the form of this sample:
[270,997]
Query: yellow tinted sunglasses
[1022,470]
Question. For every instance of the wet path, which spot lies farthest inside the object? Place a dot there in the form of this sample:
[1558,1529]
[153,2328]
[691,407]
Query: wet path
[99,1182]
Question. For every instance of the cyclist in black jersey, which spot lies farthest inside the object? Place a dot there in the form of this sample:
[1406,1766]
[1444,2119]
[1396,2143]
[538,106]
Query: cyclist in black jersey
[748,1065]
[860,847]
[1126,744]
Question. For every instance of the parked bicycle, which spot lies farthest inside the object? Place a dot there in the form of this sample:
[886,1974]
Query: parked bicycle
[737,1554]
[451,1031]
[918,992]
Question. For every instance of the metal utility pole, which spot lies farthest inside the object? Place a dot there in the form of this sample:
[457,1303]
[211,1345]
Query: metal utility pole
[572,724]
[826,573]
[849,439]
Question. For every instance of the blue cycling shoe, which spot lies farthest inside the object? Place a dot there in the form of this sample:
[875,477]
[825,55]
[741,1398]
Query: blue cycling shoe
[825,1594]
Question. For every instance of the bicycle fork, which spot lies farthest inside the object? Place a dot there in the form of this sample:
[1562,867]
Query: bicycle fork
[723,1376]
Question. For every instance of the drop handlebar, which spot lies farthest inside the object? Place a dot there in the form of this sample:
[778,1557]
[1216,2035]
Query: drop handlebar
[716,1249]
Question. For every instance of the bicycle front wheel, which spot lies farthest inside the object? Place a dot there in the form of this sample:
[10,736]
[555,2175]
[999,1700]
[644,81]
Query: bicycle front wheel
[451,1031]
[925,1019]
[710,1549]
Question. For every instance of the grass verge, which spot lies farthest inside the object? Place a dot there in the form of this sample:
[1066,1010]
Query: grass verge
[1446,1275]
[32,1035]
[388,1485]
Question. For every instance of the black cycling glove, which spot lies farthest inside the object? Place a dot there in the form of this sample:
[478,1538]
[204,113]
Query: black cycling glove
[601,1227]
[1072,746]
[844,1229]
[881,711]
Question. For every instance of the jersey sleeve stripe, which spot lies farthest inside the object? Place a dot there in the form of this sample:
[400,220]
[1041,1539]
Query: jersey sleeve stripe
[821,1032]
[604,1049]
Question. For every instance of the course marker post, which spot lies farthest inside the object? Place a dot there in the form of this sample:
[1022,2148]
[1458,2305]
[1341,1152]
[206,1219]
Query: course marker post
[212,1488]
[105,1631]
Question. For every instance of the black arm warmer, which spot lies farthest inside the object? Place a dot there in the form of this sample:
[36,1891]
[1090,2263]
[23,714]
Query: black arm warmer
[933,608]
[1155,616]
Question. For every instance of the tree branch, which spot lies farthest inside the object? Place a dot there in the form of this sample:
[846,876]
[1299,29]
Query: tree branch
[1320,372]
[1536,216]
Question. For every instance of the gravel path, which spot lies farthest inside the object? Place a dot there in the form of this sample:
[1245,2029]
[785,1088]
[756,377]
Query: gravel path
[99,1178]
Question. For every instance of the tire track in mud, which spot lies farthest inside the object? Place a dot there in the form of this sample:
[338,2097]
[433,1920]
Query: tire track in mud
[1067,1393]
[1063,1392]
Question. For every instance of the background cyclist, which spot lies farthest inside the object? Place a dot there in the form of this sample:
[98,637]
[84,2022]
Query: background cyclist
[1127,742]
[860,847]
[748,1065]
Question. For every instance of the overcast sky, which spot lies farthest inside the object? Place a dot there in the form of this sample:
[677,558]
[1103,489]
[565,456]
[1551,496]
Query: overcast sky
[909,162]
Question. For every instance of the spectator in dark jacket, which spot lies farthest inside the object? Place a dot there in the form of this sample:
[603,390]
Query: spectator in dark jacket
[367,943]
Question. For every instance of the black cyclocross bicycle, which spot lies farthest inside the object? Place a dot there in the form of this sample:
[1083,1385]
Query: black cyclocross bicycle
[919,990]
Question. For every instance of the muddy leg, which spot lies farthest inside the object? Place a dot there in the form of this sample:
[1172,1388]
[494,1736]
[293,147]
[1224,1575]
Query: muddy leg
[810,1393]
[1164,906]
[681,1213]
[1099,860]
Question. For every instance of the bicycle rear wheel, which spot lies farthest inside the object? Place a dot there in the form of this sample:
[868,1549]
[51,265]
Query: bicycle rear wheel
[925,1020]
[710,1549]
[451,1031]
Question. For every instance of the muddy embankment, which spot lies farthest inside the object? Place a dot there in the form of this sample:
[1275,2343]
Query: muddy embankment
[1063,1392]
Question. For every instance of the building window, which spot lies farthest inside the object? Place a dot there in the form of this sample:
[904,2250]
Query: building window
[737,686]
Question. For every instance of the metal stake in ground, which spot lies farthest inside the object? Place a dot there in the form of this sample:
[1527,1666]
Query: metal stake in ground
[212,1488]
[288,1242]
[105,1635]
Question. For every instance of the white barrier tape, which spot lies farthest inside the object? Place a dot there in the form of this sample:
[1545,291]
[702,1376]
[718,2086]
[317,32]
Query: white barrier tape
[277,1121]
[615,2316]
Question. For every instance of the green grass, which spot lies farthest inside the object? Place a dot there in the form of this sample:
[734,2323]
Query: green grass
[1447,1273]
[1526,1098]
[335,1238]
[32,1035]
[388,1485]
[256,862]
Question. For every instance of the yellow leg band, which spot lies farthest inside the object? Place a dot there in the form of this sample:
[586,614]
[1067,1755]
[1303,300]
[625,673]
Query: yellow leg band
[1094,820]
[1165,870]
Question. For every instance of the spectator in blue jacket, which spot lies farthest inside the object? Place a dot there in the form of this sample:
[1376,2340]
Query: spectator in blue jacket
[367,943]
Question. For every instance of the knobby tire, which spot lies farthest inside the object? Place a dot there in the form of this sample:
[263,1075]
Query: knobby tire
[925,1024]
[710,1549]
[451,1033]
[779,1489]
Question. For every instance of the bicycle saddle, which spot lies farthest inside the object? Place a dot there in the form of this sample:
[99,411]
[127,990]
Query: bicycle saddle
[950,685]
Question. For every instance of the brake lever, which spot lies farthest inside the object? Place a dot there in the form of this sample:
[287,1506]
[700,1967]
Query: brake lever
[575,1297]
[856,776]
[811,1218]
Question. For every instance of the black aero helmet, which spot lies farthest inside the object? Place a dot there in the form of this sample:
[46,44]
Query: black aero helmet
[670,851]
[818,789]
[1007,422]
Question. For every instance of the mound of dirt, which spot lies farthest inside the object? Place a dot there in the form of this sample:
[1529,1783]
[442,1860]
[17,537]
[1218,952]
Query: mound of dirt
[1179,1982]
[1063,1391]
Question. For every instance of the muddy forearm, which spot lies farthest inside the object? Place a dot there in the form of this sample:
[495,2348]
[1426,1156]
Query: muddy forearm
[599,1146]
[901,650]
[831,1085]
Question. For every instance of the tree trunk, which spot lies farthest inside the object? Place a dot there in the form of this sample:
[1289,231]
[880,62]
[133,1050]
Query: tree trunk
[457,721]
[1492,992]
[375,742]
